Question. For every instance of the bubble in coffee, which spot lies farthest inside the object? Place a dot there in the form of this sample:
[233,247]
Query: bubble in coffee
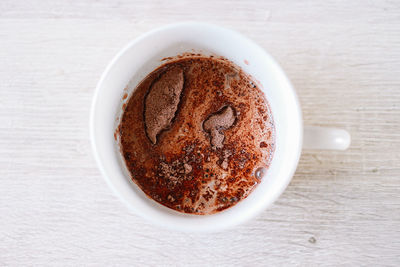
[197,134]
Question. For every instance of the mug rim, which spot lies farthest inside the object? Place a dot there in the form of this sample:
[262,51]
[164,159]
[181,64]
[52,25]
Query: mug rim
[107,176]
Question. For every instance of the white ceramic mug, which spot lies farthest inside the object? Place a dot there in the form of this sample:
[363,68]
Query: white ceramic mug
[142,56]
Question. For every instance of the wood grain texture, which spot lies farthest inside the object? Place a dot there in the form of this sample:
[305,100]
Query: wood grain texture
[341,208]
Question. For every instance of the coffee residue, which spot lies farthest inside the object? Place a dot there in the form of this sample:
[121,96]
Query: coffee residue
[197,135]
[217,123]
[162,102]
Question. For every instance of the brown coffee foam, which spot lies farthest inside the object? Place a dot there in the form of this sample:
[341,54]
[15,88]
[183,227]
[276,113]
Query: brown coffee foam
[217,123]
[161,102]
[182,170]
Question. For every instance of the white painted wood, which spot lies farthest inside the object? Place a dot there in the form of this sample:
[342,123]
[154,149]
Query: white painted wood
[342,208]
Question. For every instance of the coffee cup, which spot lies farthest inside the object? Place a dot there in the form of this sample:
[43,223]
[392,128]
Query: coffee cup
[146,53]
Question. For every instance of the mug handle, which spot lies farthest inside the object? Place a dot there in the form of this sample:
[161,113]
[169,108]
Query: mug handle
[316,137]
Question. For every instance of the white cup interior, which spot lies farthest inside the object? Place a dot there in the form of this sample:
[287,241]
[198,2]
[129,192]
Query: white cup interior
[141,57]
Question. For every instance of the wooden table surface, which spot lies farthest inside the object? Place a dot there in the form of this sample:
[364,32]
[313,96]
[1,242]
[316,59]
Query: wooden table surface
[341,208]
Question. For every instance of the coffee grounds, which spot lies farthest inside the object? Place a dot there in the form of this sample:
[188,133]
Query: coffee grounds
[162,102]
[218,122]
